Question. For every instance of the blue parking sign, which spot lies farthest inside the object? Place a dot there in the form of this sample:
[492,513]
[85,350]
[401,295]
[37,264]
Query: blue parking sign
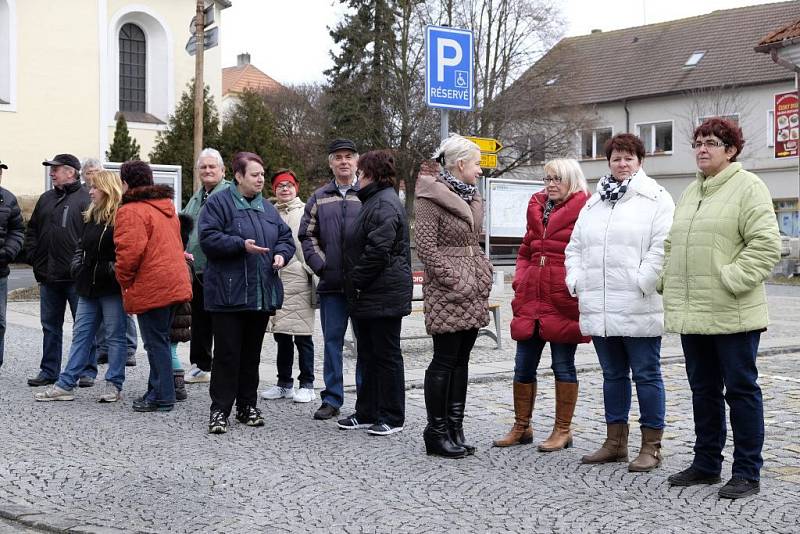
[448,68]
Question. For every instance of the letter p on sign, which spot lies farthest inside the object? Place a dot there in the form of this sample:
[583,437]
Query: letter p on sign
[442,61]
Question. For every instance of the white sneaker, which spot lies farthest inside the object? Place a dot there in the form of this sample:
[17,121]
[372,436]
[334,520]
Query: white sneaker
[305,395]
[195,375]
[54,393]
[277,392]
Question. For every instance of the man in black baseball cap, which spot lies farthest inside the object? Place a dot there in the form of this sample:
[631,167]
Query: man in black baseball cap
[50,241]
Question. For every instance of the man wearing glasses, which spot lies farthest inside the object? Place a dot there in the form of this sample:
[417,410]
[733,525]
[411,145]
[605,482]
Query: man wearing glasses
[212,175]
[329,211]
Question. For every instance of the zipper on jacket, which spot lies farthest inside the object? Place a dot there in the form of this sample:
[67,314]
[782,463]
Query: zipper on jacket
[605,249]
[97,262]
[686,259]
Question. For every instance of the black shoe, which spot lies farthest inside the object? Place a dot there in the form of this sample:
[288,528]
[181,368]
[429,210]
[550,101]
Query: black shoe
[352,423]
[217,423]
[130,361]
[40,380]
[102,359]
[144,405]
[249,415]
[692,477]
[457,397]
[326,411]
[85,382]
[737,487]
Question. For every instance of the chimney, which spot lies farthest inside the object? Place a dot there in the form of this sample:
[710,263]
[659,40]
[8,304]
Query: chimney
[243,59]
[597,30]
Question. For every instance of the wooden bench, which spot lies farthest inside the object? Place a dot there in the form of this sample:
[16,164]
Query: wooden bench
[417,306]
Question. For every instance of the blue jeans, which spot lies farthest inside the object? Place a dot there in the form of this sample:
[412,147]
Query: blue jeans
[3,305]
[91,315]
[334,316]
[717,363]
[131,338]
[619,356]
[154,327]
[53,300]
[529,353]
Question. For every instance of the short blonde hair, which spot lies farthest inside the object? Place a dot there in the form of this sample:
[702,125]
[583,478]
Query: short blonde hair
[454,149]
[570,173]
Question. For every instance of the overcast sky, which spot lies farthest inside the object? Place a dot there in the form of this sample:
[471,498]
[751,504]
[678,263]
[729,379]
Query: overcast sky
[289,40]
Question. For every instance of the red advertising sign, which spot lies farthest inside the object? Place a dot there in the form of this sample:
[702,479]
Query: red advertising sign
[418,277]
[787,125]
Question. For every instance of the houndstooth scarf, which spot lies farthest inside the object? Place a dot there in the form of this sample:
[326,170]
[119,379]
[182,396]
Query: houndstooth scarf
[462,189]
[548,207]
[611,189]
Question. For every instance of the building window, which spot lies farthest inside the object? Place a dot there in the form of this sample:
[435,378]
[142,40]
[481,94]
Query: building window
[694,59]
[8,36]
[733,117]
[593,142]
[656,136]
[132,69]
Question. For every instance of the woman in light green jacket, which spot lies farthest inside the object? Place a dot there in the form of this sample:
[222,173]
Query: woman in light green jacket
[723,244]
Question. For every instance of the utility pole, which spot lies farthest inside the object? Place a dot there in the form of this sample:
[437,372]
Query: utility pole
[199,31]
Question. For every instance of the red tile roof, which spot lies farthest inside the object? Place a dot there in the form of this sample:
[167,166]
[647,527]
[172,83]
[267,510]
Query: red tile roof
[789,32]
[647,61]
[237,79]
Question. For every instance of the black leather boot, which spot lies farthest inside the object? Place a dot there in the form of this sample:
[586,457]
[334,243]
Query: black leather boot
[456,401]
[437,439]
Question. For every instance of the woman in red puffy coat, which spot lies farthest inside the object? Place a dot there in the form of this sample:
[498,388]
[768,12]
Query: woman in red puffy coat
[543,309]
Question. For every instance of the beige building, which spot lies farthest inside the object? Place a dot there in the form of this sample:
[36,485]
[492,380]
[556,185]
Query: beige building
[67,69]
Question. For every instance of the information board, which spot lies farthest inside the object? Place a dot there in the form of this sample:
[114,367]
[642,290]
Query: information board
[507,202]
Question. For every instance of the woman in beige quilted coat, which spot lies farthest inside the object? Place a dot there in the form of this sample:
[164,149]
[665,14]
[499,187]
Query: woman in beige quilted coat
[294,323]
[458,277]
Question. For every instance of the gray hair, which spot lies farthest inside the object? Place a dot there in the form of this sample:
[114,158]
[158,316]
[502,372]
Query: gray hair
[91,163]
[454,149]
[210,153]
[330,157]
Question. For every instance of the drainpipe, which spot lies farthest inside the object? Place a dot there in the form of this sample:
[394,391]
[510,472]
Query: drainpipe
[785,63]
[627,115]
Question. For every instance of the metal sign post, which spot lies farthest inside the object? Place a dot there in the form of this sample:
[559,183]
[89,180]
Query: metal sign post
[448,71]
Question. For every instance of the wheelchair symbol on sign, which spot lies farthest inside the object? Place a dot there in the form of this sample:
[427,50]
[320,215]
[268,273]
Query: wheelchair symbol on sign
[461,78]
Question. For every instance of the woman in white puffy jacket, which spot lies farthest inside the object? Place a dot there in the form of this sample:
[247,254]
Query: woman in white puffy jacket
[613,261]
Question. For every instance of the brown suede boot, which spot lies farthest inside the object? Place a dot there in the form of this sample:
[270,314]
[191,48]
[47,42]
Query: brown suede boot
[561,436]
[650,454]
[615,447]
[521,433]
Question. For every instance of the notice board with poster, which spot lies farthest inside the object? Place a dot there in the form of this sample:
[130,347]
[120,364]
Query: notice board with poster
[787,125]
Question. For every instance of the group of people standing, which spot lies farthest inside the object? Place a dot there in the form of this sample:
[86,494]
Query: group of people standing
[592,267]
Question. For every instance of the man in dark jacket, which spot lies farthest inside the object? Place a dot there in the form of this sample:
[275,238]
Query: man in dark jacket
[50,241]
[329,212]
[11,232]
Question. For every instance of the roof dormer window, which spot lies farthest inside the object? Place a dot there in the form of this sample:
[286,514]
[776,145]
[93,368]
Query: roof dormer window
[694,59]
[551,81]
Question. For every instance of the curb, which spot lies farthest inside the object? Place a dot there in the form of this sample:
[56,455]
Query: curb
[49,521]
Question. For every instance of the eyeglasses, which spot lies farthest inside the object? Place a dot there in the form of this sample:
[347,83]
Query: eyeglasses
[284,185]
[711,143]
[552,180]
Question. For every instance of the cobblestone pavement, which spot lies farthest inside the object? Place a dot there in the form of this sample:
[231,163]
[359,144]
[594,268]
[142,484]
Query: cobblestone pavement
[103,468]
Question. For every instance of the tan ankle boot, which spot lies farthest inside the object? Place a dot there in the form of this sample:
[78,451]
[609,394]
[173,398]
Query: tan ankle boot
[561,436]
[521,433]
[650,454]
[615,447]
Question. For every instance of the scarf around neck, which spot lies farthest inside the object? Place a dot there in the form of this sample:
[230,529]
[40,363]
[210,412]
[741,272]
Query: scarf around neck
[462,189]
[612,190]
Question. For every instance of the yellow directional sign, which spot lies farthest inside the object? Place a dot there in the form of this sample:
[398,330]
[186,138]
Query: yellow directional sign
[488,161]
[487,144]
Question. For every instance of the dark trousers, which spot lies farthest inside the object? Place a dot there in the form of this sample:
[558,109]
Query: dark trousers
[154,327]
[382,395]
[237,352]
[202,331]
[285,360]
[452,350]
[54,298]
[717,363]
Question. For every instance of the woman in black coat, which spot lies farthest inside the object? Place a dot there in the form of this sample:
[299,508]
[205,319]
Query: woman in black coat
[378,290]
